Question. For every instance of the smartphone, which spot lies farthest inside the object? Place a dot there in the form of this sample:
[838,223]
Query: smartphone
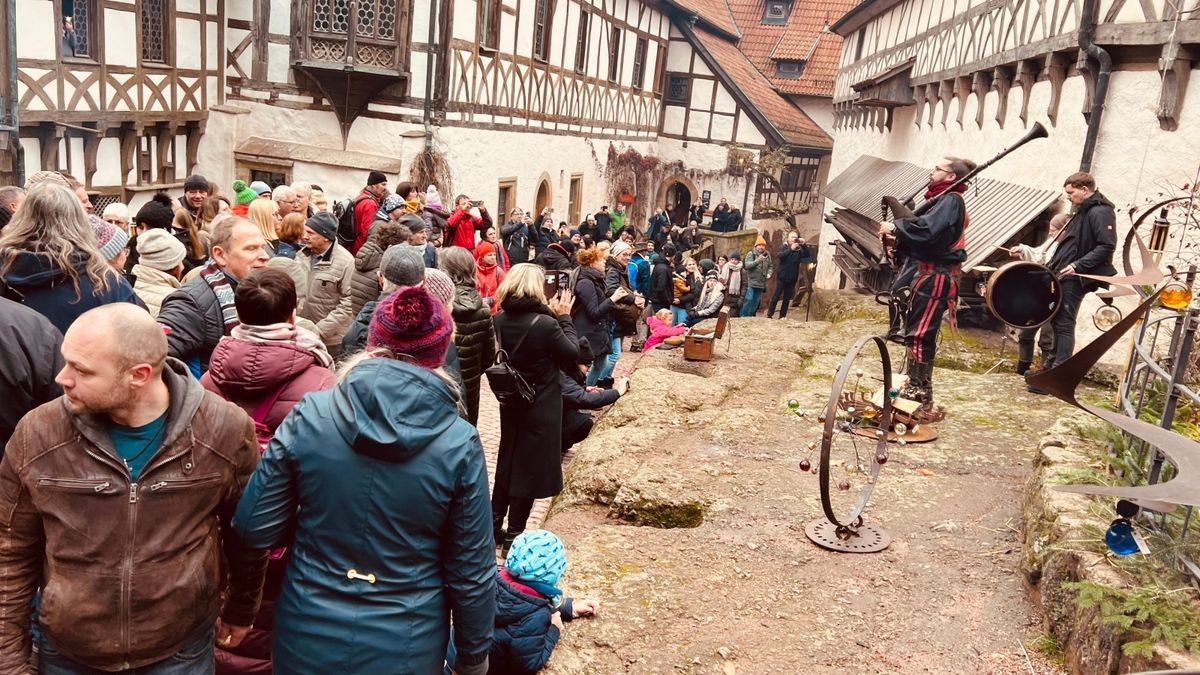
[477,203]
[555,281]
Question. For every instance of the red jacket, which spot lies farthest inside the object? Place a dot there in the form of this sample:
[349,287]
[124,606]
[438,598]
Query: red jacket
[462,227]
[245,373]
[364,214]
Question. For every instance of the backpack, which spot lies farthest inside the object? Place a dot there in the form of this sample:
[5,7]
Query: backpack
[507,384]
[347,231]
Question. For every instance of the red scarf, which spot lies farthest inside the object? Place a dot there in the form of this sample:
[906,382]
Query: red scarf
[940,187]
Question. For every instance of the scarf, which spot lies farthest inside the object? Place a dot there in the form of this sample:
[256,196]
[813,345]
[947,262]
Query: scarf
[287,334]
[222,287]
[414,206]
[733,279]
[940,187]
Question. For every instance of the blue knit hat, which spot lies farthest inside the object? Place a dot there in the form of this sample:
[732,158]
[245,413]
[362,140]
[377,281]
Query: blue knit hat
[537,556]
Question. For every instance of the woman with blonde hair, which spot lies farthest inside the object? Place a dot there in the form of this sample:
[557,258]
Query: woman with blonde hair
[538,339]
[49,257]
[265,214]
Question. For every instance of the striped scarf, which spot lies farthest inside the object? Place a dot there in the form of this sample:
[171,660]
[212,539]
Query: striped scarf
[218,281]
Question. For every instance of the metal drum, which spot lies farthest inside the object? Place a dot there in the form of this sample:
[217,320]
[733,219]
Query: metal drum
[1023,294]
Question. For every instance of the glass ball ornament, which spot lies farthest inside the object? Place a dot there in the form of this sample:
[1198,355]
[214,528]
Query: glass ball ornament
[881,458]
[1106,316]
[805,465]
[844,485]
[1175,295]
[893,393]
[901,428]
[814,470]
[1119,537]
[793,405]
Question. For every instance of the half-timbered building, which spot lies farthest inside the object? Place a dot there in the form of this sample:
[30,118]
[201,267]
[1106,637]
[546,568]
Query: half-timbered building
[528,100]
[922,79]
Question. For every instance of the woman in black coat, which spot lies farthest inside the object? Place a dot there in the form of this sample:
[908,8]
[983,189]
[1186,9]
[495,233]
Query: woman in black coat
[474,336]
[539,341]
[594,310]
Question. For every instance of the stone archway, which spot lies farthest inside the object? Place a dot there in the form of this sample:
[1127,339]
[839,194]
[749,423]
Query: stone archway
[544,196]
[675,195]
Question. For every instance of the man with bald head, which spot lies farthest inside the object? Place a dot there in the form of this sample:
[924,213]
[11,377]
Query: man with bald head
[115,500]
[202,311]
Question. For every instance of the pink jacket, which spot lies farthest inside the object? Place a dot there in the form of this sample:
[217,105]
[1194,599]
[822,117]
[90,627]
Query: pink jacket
[659,331]
[245,373]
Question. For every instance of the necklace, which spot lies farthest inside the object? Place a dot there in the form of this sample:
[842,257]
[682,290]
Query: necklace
[149,444]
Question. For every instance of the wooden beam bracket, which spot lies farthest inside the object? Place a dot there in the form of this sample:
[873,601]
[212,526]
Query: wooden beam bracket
[1027,74]
[1002,77]
[981,84]
[1056,72]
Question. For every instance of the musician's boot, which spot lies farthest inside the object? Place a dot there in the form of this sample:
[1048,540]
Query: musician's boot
[1023,367]
[917,386]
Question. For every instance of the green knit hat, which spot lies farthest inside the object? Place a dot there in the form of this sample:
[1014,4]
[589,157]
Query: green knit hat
[245,195]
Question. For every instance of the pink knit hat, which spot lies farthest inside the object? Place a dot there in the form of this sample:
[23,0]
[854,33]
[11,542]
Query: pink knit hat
[414,325]
[439,284]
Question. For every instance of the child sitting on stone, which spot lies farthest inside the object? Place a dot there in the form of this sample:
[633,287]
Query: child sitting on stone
[663,330]
[530,609]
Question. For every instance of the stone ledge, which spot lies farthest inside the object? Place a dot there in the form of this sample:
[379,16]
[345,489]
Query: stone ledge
[1051,522]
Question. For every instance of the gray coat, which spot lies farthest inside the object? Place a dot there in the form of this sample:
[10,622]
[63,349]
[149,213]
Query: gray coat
[329,301]
[364,283]
[758,268]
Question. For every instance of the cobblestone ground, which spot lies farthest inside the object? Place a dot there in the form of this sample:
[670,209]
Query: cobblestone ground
[489,433]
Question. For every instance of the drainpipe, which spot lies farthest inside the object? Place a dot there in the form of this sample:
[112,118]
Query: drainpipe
[14,101]
[429,52]
[1087,42]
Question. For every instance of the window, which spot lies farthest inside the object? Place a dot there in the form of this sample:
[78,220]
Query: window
[581,43]
[543,21]
[776,12]
[678,88]
[859,41]
[575,200]
[639,63]
[489,24]
[660,68]
[797,181]
[154,22]
[507,199]
[614,55]
[80,28]
[789,70]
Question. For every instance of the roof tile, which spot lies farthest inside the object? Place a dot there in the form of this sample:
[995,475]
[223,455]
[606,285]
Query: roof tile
[804,37]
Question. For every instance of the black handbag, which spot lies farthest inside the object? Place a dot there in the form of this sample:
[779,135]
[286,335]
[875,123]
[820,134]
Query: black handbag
[507,384]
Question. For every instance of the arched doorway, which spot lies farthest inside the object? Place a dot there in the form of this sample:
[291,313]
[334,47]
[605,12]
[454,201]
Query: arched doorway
[543,197]
[678,200]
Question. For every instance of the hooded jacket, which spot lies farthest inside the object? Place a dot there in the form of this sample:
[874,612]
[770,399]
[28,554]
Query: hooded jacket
[525,637]
[245,373]
[758,268]
[662,285]
[36,282]
[593,311]
[555,257]
[364,284]
[475,339]
[1089,241]
[153,286]
[129,571]
[29,362]
[385,488]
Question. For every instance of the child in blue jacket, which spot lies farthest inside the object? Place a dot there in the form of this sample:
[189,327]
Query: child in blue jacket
[530,609]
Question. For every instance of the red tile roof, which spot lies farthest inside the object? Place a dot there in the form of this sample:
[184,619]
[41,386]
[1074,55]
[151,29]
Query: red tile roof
[715,13]
[793,124]
[804,37]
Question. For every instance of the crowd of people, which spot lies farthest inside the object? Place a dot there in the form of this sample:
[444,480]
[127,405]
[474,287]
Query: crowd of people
[207,391]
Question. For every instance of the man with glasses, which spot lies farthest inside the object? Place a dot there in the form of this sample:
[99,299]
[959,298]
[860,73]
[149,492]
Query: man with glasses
[286,198]
[932,249]
[195,191]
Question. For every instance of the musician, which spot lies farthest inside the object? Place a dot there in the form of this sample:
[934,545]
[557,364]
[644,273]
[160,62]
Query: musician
[932,248]
[1086,247]
[1026,336]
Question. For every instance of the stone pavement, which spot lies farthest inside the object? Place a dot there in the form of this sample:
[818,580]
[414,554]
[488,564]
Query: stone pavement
[489,433]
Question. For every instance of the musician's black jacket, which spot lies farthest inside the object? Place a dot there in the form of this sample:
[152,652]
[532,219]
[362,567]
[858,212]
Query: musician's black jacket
[932,237]
[1089,240]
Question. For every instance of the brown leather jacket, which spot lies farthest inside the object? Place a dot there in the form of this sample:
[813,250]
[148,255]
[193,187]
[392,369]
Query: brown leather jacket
[128,571]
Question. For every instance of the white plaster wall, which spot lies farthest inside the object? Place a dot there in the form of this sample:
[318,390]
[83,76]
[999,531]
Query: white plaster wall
[33,155]
[818,108]
[108,163]
[187,46]
[122,52]
[37,33]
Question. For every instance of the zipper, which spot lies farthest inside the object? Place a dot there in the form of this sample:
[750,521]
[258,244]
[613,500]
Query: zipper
[180,484]
[127,572]
[74,484]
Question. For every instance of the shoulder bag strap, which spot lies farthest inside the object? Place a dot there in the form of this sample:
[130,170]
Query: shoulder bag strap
[520,340]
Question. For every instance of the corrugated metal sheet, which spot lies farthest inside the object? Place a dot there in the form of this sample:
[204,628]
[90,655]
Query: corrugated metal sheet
[998,210]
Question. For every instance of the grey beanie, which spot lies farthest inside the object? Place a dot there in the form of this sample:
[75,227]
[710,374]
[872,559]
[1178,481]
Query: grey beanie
[160,250]
[324,224]
[403,265]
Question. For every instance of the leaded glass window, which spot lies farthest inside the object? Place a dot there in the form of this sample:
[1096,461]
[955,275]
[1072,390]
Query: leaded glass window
[153,25]
[79,29]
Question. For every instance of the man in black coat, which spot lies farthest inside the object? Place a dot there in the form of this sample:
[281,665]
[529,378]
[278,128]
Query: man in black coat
[932,247]
[29,362]
[201,312]
[1086,247]
[662,287]
[792,256]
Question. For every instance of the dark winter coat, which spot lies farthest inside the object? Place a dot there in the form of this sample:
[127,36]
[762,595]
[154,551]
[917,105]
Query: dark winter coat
[435,223]
[695,284]
[475,338]
[593,311]
[529,460]
[1089,241]
[29,361]
[616,276]
[515,235]
[934,237]
[194,317]
[36,282]
[247,373]
[524,637]
[377,477]
[577,397]
[657,226]
[789,263]
[662,285]
[603,223]
[555,257]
